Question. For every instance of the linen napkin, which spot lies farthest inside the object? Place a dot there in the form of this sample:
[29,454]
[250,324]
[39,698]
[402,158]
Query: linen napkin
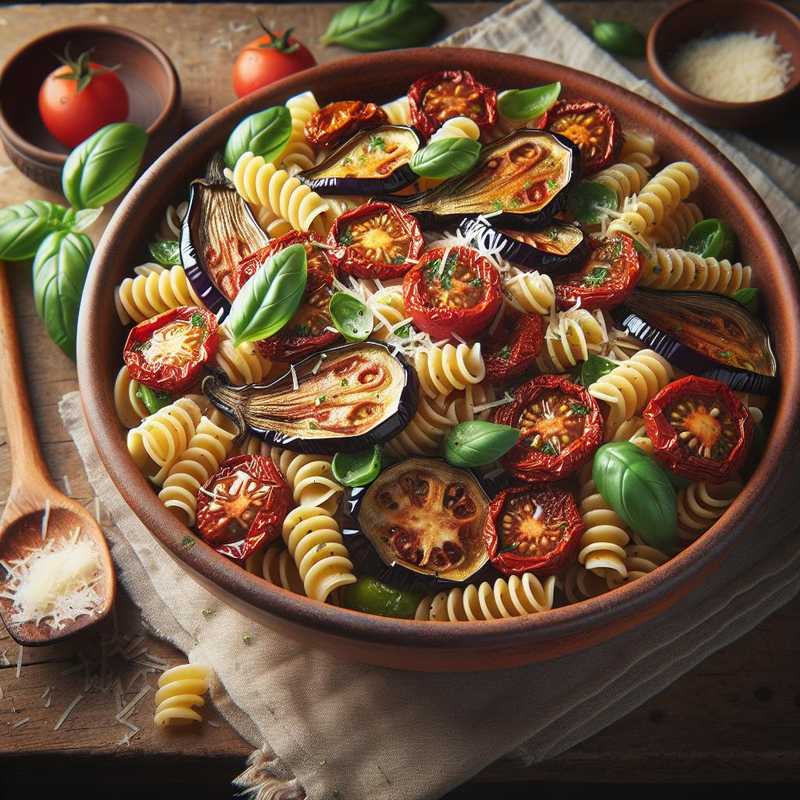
[330,730]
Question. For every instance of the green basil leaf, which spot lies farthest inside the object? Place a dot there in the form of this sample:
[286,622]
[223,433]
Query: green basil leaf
[748,298]
[357,469]
[350,317]
[620,38]
[23,227]
[640,491]
[264,134]
[712,238]
[59,272]
[152,399]
[373,597]
[589,200]
[593,369]
[525,104]
[84,219]
[104,166]
[269,299]
[166,252]
[477,443]
[446,158]
[383,25]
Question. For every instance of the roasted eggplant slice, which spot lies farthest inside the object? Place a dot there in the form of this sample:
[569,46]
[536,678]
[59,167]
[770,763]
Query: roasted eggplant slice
[428,517]
[556,248]
[344,399]
[218,231]
[522,179]
[371,162]
[704,334]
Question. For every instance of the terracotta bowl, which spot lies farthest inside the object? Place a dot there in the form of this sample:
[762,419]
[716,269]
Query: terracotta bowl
[695,18]
[153,88]
[428,645]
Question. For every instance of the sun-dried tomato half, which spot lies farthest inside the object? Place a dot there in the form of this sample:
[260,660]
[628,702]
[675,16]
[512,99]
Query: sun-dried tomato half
[513,345]
[167,352]
[609,275]
[376,240]
[242,505]
[699,429]
[336,122]
[560,427]
[453,93]
[532,529]
[592,126]
[454,291]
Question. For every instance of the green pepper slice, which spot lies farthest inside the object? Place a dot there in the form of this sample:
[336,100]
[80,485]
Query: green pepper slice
[373,597]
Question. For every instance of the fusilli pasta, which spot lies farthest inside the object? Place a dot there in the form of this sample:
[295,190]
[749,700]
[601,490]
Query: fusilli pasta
[309,477]
[242,364]
[571,336]
[639,148]
[427,429]
[299,154]
[530,292]
[398,111]
[155,289]
[680,271]
[602,545]
[441,369]
[276,565]
[701,504]
[180,691]
[623,179]
[632,430]
[130,408]
[457,128]
[640,559]
[674,229]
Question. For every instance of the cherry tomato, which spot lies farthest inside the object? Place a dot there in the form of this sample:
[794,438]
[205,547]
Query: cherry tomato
[338,121]
[167,352]
[376,240]
[453,93]
[593,127]
[606,279]
[268,59]
[513,345]
[242,506]
[81,97]
[699,429]
[560,424]
[532,529]
[453,292]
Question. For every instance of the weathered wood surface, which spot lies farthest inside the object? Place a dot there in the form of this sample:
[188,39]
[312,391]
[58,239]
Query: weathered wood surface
[736,717]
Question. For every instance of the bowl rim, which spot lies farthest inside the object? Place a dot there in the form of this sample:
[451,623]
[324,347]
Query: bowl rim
[689,99]
[52,158]
[655,590]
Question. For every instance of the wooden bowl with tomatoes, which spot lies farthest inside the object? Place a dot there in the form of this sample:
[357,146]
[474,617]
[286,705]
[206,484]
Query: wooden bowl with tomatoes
[766,500]
[48,106]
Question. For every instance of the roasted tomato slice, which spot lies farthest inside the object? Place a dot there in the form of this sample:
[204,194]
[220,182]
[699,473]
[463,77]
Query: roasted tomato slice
[532,529]
[376,240]
[337,121]
[593,127]
[242,505]
[513,345]
[561,426]
[699,429]
[607,278]
[452,292]
[453,93]
[167,352]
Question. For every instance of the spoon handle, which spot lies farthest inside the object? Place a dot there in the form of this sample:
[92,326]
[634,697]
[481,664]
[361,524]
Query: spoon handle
[27,463]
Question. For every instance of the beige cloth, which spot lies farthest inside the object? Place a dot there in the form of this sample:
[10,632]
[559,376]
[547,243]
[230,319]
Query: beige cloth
[363,733]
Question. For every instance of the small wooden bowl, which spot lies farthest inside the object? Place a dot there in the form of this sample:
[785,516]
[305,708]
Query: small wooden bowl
[692,19]
[153,86]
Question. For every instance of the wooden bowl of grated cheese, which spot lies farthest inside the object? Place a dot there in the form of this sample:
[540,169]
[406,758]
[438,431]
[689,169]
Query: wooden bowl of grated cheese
[730,64]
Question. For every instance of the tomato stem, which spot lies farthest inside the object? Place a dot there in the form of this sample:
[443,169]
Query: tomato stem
[279,43]
[80,69]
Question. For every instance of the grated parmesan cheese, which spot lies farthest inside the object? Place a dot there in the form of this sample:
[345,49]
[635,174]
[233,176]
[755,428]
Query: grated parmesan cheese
[733,67]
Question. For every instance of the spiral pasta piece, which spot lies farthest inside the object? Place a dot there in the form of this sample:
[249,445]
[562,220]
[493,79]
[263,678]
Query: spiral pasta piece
[640,559]
[579,583]
[639,148]
[674,229]
[423,436]
[242,364]
[457,128]
[388,311]
[628,388]
[171,223]
[283,194]
[571,336]
[276,566]
[623,179]
[530,292]
[681,271]
[313,538]
[206,450]
[602,545]
[443,369]
[180,691]
[155,289]
[517,597]
[310,478]
[299,154]
[701,504]
[129,406]
[475,396]
[398,111]
[631,430]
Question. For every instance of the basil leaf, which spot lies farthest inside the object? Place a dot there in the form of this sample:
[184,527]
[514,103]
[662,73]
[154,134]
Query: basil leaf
[357,469]
[620,38]
[23,227]
[712,238]
[264,134]
[446,158]
[59,272]
[476,443]
[84,219]
[104,166]
[153,400]
[373,597]
[525,104]
[383,25]
[350,317]
[269,299]
[166,252]
[593,369]
[748,298]
[640,491]
[589,200]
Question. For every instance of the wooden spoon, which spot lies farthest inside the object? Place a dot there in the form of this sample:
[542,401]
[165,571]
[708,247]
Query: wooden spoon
[31,489]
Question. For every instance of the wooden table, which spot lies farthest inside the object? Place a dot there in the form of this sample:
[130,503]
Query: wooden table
[736,717]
